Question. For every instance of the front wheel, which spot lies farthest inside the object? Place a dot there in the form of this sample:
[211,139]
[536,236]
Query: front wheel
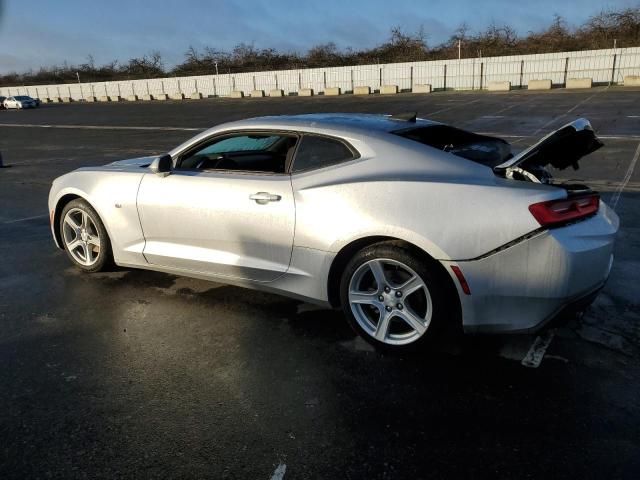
[84,237]
[392,297]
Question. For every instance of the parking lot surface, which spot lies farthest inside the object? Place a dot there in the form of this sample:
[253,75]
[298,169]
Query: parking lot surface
[137,374]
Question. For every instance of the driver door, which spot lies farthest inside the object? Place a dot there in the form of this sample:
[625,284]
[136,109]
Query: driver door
[224,211]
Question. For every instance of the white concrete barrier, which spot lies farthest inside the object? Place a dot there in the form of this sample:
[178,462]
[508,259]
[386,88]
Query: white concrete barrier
[115,98]
[578,83]
[388,89]
[67,99]
[44,100]
[499,86]
[362,90]
[424,88]
[461,74]
[332,91]
[132,98]
[176,96]
[632,81]
[539,84]
[90,99]
[257,93]
[160,96]
[305,92]
[146,97]
[103,98]
[236,94]
[195,96]
[276,92]
[56,100]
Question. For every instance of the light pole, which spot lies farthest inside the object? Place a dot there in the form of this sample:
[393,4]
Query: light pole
[81,92]
[216,64]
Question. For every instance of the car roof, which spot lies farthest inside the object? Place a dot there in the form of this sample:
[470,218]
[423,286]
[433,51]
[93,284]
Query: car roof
[360,123]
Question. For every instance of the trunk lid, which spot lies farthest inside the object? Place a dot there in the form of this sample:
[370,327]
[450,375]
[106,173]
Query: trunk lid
[561,148]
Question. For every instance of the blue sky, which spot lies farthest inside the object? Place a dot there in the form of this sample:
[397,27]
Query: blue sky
[40,32]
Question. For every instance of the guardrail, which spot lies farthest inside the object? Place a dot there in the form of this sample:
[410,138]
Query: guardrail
[608,66]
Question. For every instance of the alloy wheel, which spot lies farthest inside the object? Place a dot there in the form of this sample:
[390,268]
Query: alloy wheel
[81,237]
[390,301]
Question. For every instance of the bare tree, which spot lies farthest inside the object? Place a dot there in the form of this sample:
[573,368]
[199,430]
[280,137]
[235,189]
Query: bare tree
[599,31]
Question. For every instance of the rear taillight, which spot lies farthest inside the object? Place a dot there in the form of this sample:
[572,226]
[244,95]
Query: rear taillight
[557,212]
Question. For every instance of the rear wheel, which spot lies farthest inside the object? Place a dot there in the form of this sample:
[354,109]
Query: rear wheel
[392,297]
[84,237]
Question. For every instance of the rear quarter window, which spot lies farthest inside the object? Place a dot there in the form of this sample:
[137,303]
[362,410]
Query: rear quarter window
[318,152]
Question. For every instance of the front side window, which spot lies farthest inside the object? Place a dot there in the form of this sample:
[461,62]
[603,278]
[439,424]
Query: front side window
[318,152]
[257,152]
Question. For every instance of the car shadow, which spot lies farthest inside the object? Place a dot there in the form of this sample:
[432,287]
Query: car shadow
[314,324]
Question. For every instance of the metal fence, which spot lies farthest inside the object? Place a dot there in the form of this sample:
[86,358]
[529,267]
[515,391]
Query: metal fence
[602,66]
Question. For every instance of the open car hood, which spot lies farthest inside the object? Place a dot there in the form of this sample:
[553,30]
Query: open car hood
[561,148]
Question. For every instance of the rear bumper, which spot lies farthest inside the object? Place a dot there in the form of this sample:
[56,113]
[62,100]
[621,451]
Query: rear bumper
[521,288]
[568,311]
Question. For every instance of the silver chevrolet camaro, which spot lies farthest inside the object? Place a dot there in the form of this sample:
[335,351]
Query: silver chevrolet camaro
[406,224]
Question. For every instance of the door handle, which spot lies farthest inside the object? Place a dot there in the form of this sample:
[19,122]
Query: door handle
[263,198]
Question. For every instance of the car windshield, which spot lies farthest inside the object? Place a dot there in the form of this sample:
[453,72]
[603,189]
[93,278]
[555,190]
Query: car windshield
[489,151]
[22,97]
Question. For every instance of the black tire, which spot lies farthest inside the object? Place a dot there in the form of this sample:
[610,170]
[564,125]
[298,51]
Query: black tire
[431,276]
[104,258]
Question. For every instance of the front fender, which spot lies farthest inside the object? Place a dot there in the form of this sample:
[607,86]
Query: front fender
[58,198]
[112,194]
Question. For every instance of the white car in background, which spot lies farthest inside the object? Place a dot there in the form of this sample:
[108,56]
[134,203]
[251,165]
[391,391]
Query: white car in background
[20,101]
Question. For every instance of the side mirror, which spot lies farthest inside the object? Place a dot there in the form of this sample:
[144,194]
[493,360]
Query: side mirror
[162,165]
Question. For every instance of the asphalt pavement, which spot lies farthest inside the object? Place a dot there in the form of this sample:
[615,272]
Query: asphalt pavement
[136,374]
